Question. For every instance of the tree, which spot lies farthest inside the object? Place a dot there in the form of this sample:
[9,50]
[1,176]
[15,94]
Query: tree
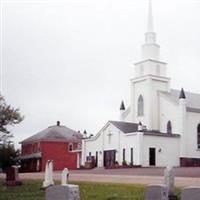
[8,156]
[9,116]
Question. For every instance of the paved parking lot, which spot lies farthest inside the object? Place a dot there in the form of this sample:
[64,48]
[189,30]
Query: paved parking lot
[184,176]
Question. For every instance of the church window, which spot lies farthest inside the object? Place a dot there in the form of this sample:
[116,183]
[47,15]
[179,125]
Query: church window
[158,69]
[70,147]
[169,127]
[198,136]
[140,106]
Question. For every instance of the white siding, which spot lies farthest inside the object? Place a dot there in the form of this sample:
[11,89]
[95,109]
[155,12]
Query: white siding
[170,150]
[169,111]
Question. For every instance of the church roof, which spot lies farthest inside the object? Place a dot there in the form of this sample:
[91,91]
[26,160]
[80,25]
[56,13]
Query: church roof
[55,133]
[192,99]
[125,127]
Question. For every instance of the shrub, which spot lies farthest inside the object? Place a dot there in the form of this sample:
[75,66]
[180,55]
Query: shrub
[124,163]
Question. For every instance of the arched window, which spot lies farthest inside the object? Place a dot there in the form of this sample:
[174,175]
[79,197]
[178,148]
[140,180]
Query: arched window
[169,127]
[140,106]
[70,147]
[198,136]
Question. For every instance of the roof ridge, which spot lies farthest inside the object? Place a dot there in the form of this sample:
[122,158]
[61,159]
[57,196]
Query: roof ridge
[122,122]
[53,132]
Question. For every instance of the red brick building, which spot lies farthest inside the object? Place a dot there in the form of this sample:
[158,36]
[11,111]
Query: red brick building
[57,143]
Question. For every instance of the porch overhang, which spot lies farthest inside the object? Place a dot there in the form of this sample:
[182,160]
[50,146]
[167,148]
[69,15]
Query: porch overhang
[30,156]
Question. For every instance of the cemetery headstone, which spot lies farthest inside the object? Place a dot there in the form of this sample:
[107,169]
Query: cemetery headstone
[12,176]
[48,179]
[169,182]
[64,176]
[190,193]
[68,192]
[156,192]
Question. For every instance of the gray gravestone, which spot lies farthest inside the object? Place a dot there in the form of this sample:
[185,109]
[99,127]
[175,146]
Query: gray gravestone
[190,193]
[12,176]
[156,192]
[169,182]
[59,192]
[169,179]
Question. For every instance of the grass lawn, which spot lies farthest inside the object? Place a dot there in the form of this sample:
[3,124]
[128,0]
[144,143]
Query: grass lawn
[30,190]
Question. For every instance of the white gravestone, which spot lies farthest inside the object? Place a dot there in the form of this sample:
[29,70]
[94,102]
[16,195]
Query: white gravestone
[156,192]
[51,172]
[48,180]
[169,179]
[169,182]
[190,193]
[60,192]
[64,176]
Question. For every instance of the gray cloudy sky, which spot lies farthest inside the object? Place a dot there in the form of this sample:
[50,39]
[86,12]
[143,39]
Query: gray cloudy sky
[71,60]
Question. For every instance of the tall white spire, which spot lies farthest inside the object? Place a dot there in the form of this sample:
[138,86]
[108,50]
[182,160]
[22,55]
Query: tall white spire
[150,34]
[150,18]
[150,50]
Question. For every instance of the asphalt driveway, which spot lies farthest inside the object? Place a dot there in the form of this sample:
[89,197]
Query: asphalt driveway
[184,176]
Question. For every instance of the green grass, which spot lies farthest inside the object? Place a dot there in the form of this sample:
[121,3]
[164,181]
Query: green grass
[107,191]
[30,190]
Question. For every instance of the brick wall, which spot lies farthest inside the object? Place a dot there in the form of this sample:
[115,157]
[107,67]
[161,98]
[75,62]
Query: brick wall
[59,153]
[30,148]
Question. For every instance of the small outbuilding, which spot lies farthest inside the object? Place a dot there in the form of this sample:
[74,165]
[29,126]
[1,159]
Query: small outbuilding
[58,143]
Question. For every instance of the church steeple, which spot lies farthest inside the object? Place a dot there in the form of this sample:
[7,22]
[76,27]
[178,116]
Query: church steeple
[150,35]
[149,78]
[150,50]
[150,63]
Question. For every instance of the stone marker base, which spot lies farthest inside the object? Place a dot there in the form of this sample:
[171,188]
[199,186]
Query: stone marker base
[46,184]
[60,192]
[45,187]
[190,193]
[12,183]
[173,197]
[156,192]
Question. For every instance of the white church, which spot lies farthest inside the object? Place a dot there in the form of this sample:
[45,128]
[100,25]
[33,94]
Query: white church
[160,127]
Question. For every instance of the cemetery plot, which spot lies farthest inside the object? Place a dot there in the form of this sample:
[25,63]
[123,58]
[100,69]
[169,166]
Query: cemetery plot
[31,190]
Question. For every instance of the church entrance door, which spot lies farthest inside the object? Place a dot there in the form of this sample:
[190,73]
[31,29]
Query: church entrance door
[152,156]
[109,158]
